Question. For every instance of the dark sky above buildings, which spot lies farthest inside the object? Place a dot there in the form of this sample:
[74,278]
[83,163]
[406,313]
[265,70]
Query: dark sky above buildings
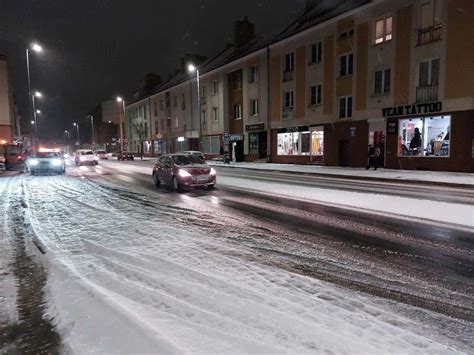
[98,49]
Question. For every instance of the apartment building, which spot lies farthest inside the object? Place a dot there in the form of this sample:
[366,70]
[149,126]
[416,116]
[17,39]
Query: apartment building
[138,136]
[397,75]
[6,107]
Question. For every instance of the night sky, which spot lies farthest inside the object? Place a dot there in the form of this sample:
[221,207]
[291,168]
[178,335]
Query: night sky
[96,50]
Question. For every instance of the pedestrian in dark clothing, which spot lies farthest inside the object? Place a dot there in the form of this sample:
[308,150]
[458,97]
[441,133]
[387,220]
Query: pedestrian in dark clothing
[372,158]
[415,143]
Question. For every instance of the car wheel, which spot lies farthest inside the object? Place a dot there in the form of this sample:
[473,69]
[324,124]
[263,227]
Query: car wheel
[156,181]
[176,184]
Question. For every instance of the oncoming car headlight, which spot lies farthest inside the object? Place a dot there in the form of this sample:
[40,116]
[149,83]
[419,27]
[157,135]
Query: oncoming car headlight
[184,173]
[56,162]
[33,162]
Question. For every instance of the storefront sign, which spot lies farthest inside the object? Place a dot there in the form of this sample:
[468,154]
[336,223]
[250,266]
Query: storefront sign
[415,109]
[255,127]
[392,127]
[236,137]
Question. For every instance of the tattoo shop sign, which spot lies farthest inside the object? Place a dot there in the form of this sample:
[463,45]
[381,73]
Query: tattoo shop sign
[415,109]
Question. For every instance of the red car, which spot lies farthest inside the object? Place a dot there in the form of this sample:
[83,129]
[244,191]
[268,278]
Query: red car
[182,171]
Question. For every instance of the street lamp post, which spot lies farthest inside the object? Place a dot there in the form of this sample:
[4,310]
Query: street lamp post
[77,128]
[66,133]
[192,68]
[121,120]
[93,138]
[37,48]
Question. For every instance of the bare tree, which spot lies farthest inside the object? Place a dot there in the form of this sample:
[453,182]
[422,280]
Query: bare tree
[141,132]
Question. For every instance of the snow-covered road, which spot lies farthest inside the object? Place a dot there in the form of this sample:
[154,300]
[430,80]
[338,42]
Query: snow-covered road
[134,272]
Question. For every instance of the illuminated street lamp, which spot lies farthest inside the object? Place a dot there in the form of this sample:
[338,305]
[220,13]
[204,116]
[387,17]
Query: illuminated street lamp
[77,128]
[38,112]
[121,119]
[38,49]
[32,122]
[192,68]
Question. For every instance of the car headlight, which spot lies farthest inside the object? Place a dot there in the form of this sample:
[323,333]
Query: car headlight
[213,171]
[96,158]
[33,162]
[183,173]
[82,158]
[56,162]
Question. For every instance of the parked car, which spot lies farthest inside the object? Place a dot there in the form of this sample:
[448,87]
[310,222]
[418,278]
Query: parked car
[183,171]
[46,162]
[102,154]
[85,156]
[125,156]
[14,156]
[196,153]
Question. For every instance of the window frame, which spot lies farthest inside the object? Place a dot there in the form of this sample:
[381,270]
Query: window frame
[289,64]
[315,53]
[215,114]
[430,71]
[385,34]
[237,111]
[254,107]
[346,106]
[317,95]
[346,57]
[215,87]
[291,94]
[383,82]
[254,74]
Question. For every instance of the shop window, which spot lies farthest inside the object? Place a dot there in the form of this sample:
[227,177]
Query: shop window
[426,136]
[253,143]
[317,142]
[383,30]
[293,143]
[211,145]
[346,65]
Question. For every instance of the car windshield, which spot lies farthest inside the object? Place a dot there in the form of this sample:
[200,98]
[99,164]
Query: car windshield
[186,160]
[46,155]
[87,153]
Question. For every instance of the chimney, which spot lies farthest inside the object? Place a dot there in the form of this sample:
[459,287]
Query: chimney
[244,31]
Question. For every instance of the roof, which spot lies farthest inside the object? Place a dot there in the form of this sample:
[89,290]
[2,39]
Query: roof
[321,12]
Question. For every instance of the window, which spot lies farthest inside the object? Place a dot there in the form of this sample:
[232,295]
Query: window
[382,82]
[345,107]
[383,30]
[254,107]
[156,127]
[253,74]
[315,95]
[161,105]
[289,96]
[176,122]
[203,117]
[203,91]
[315,53]
[425,136]
[183,101]
[155,109]
[289,61]
[237,80]
[215,87]
[345,65]
[211,145]
[294,143]
[237,111]
[215,114]
[429,72]
[345,34]
[175,100]
[168,100]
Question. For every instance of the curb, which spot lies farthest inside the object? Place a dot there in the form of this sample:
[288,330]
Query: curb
[355,177]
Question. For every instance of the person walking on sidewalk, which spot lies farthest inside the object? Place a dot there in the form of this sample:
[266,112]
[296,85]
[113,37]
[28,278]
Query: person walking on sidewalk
[372,158]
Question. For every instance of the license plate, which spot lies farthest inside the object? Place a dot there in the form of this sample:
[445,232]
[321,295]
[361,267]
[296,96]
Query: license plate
[202,178]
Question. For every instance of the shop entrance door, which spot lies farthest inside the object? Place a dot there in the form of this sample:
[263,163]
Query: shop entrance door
[262,145]
[237,151]
[344,153]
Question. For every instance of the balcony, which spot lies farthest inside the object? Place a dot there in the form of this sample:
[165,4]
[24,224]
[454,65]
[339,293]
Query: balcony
[288,113]
[288,75]
[427,93]
[428,35]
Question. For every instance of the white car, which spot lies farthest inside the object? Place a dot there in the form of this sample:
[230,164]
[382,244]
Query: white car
[85,156]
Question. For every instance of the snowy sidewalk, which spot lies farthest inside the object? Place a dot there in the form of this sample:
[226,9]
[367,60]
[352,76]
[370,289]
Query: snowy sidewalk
[414,176]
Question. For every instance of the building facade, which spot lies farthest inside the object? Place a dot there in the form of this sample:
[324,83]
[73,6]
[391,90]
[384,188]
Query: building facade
[395,75]
[137,127]
[6,104]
